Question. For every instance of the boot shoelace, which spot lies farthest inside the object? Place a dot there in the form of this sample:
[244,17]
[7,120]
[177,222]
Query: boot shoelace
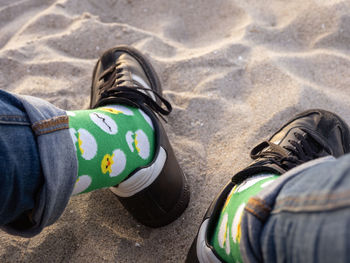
[299,151]
[132,94]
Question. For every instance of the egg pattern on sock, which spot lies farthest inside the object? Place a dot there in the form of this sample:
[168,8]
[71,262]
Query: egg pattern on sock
[110,142]
[228,233]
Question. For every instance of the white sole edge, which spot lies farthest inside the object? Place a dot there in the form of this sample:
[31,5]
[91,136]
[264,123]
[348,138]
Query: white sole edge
[142,178]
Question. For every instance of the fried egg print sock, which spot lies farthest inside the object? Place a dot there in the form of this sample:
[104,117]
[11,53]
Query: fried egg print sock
[110,142]
[227,234]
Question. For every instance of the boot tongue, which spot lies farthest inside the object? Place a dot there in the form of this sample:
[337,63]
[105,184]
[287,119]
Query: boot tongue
[268,148]
[278,146]
[301,137]
[290,136]
[134,76]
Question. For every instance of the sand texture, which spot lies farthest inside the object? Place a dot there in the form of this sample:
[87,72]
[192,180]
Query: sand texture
[234,70]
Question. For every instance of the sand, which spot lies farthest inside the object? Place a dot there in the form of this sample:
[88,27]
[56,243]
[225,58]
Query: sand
[233,70]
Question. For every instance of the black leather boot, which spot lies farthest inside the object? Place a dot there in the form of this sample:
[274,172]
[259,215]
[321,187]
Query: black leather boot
[158,193]
[309,135]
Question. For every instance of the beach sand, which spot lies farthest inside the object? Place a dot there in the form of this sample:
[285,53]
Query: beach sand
[234,71]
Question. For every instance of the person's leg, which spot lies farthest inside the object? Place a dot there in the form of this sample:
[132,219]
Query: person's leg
[307,136]
[302,217]
[118,143]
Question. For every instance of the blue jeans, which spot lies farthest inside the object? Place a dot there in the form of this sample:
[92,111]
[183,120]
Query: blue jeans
[38,165]
[303,216]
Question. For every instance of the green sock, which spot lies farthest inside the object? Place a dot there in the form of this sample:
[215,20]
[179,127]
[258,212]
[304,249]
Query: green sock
[111,142]
[227,235]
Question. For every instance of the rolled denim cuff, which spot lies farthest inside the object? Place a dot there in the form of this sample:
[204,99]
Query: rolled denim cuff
[58,164]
